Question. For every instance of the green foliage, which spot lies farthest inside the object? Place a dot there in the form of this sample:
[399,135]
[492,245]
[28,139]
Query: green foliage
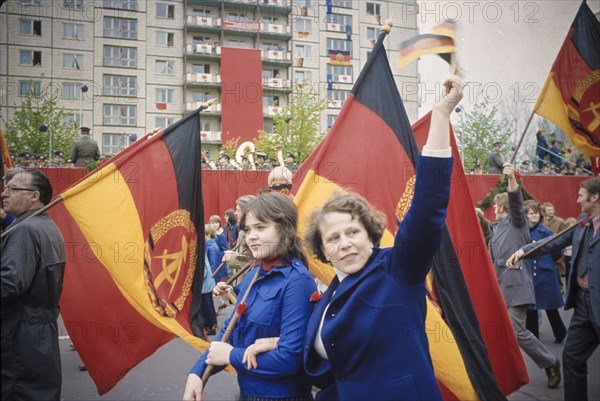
[23,129]
[477,131]
[296,128]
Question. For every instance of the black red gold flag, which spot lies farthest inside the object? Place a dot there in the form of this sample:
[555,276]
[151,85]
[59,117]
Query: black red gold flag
[133,231]
[371,150]
[571,95]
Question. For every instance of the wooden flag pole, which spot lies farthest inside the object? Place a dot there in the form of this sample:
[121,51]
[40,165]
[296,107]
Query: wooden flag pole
[514,155]
[579,223]
[232,323]
[54,202]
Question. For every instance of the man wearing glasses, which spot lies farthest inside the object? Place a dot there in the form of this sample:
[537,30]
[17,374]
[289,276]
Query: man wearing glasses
[32,262]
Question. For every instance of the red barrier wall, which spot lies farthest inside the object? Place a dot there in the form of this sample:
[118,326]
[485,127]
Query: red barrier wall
[222,188]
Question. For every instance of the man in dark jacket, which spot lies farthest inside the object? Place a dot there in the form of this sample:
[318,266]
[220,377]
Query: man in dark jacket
[33,262]
[583,288]
[85,149]
[495,162]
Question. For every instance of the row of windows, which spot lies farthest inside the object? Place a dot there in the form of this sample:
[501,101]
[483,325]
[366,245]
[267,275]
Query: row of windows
[163,10]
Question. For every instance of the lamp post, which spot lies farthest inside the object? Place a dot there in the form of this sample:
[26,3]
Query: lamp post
[84,89]
[44,128]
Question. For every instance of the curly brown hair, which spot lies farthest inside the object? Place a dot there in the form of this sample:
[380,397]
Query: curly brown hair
[355,205]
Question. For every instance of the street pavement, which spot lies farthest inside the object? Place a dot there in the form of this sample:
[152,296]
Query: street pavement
[162,376]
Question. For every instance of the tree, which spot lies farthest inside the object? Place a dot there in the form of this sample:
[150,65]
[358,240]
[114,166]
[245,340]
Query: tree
[296,128]
[477,131]
[24,131]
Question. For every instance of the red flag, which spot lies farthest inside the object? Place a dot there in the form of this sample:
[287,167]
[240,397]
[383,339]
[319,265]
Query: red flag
[133,233]
[371,150]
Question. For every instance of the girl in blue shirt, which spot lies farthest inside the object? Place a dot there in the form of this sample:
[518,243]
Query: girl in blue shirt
[278,305]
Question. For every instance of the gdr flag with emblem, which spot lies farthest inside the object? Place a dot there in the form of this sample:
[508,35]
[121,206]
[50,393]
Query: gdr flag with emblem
[571,95]
[133,233]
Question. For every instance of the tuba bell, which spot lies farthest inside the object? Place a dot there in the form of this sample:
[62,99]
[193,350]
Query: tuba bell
[246,149]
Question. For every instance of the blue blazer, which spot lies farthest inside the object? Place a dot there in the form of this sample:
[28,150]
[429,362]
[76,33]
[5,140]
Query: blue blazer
[575,238]
[543,272]
[374,328]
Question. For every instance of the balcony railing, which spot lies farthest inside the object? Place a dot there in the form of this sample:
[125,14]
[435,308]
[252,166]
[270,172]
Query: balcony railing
[335,104]
[214,136]
[275,28]
[191,106]
[203,49]
[202,21]
[277,83]
[196,77]
[272,110]
[278,55]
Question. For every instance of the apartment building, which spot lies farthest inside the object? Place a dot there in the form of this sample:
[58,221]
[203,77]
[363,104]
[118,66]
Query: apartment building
[124,67]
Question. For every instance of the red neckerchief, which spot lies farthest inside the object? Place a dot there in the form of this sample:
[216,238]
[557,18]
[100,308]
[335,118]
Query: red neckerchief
[268,263]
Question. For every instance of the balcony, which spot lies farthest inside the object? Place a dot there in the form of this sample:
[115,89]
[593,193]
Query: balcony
[276,83]
[275,31]
[203,80]
[201,51]
[281,7]
[243,28]
[270,111]
[203,24]
[335,104]
[276,57]
[344,79]
[191,106]
[210,136]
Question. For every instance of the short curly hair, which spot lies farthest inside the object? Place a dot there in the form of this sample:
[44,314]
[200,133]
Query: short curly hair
[358,207]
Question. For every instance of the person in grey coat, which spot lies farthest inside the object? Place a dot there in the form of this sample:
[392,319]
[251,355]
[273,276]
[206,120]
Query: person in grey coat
[495,162]
[509,234]
[583,288]
[85,149]
[33,264]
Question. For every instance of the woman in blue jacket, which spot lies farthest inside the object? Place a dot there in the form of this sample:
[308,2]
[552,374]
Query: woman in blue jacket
[366,338]
[278,305]
[545,281]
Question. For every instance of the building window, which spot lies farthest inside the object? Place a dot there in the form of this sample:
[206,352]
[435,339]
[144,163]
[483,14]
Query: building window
[73,61]
[345,21]
[200,96]
[71,120]
[123,28]
[113,143]
[75,4]
[119,85]
[339,44]
[237,43]
[165,11]
[121,4]
[339,73]
[120,56]
[30,57]
[272,46]
[373,9]
[372,34]
[165,95]
[340,96]
[205,125]
[303,27]
[27,87]
[330,120]
[303,77]
[115,114]
[165,39]
[201,68]
[342,3]
[163,122]
[302,51]
[202,12]
[73,31]
[271,101]
[30,27]
[268,126]
[71,91]
[30,2]
[164,67]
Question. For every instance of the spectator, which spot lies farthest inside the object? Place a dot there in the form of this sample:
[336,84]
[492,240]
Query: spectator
[261,161]
[495,161]
[541,150]
[556,154]
[85,149]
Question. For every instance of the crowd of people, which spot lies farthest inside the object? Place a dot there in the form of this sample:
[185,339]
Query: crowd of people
[285,337]
[550,160]
[260,161]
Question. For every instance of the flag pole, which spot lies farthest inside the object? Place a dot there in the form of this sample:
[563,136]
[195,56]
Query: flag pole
[514,155]
[59,199]
[232,323]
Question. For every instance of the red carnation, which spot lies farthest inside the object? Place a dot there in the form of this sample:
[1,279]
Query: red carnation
[241,308]
[316,296]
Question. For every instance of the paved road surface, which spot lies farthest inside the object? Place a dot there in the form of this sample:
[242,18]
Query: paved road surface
[162,376]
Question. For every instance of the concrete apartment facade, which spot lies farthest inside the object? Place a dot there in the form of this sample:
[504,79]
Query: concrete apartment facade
[146,63]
